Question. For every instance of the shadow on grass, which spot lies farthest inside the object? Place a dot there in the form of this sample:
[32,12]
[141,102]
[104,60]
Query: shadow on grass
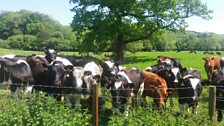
[138,59]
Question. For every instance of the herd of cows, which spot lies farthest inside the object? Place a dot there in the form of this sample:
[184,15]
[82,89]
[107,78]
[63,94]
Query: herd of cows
[63,76]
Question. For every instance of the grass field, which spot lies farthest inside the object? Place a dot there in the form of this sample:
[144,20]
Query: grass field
[140,59]
[145,59]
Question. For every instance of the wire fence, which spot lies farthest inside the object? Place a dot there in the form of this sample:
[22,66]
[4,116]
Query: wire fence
[94,100]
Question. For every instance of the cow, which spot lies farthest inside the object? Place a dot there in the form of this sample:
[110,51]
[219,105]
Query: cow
[19,72]
[109,70]
[218,53]
[52,54]
[92,74]
[211,64]
[72,81]
[175,62]
[218,81]
[169,73]
[192,51]
[125,85]
[155,87]
[46,76]
[189,89]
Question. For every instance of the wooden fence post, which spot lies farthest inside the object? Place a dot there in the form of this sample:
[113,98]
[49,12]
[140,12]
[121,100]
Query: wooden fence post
[95,104]
[212,102]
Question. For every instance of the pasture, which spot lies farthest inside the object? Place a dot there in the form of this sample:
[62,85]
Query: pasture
[46,111]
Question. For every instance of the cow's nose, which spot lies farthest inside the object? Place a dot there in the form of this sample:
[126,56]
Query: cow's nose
[175,81]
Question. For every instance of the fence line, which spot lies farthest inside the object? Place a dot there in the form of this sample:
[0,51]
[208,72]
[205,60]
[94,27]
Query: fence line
[69,87]
[95,102]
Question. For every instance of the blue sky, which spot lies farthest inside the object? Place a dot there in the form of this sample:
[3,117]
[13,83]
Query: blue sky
[60,10]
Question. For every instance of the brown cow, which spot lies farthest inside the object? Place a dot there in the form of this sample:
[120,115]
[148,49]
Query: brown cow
[155,87]
[211,64]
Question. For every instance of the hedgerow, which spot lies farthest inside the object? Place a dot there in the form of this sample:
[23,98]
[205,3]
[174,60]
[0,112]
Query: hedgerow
[39,110]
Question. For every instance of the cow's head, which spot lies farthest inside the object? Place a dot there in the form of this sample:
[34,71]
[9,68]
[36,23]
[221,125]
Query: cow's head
[109,71]
[72,78]
[37,64]
[88,80]
[51,54]
[56,71]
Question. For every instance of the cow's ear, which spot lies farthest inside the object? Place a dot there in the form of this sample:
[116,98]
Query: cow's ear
[131,85]
[46,49]
[57,51]
[184,69]
[116,64]
[69,67]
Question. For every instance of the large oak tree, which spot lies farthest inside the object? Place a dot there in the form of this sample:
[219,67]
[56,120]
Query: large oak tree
[103,24]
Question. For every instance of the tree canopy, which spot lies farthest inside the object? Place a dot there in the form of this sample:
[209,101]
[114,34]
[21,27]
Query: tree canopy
[33,31]
[112,24]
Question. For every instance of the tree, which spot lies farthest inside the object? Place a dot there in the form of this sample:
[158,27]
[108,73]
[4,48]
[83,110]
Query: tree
[33,30]
[119,22]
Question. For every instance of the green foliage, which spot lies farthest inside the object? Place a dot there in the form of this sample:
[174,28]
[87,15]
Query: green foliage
[147,117]
[32,30]
[134,47]
[39,110]
[126,21]
[25,42]
[4,43]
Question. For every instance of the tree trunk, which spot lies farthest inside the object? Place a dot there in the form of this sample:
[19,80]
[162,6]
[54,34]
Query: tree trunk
[119,49]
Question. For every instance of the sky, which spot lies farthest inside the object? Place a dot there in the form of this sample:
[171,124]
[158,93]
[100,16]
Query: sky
[60,10]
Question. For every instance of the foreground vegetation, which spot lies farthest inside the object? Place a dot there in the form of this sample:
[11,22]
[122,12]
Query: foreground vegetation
[39,110]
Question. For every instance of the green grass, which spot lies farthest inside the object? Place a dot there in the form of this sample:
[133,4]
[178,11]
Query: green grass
[188,60]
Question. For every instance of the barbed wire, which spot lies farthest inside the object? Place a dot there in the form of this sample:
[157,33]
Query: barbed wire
[70,87]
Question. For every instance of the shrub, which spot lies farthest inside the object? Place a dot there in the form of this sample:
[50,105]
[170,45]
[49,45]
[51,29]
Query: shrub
[39,110]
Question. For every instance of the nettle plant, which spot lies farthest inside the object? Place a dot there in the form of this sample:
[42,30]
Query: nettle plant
[40,110]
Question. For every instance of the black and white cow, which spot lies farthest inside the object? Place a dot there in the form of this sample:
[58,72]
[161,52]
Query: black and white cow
[72,81]
[92,74]
[174,61]
[52,54]
[126,84]
[189,89]
[19,72]
[110,69]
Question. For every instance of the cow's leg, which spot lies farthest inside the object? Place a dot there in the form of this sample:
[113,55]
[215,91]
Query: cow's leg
[103,91]
[126,109]
[143,97]
[181,106]
[140,93]
[28,90]
[67,100]
[77,98]
[195,109]
[171,100]
[219,116]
